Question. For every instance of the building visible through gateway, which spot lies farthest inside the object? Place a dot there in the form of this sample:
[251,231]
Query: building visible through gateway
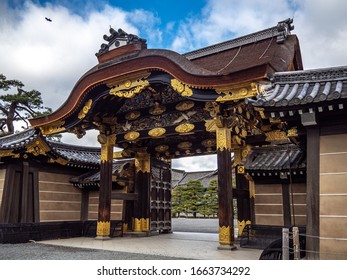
[248,97]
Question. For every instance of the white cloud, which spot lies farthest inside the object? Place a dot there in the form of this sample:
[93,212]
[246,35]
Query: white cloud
[197,163]
[52,56]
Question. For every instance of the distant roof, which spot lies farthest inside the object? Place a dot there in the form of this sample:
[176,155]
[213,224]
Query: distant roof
[275,158]
[72,155]
[304,88]
[198,175]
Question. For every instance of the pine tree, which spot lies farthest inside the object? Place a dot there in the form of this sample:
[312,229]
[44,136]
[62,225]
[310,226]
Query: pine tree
[19,104]
[210,200]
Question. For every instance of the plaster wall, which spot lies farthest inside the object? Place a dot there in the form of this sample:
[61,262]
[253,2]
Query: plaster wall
[59,199]
[333,196]
[116,207]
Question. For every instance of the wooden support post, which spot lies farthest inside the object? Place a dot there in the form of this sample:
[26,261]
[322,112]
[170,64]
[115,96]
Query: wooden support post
[104,215]
[312,193]
[287,217]
[142,187]
[285,244]
[225,193]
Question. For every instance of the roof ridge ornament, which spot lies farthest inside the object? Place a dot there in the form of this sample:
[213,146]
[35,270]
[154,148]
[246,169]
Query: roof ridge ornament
[118,39]
[283,28]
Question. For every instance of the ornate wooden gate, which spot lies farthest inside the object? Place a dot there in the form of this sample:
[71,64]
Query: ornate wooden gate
[160,196]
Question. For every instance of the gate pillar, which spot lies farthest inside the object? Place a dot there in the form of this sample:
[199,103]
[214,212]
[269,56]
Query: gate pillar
[225,192]
[142,187]
[104,212]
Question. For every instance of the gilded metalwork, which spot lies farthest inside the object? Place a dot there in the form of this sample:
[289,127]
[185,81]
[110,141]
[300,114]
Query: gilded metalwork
[55,127]
[184,145]
[240,169]
[128,87]
[234,93]
[39,147]
[276,135]
[225,235]
[292,132]
[85,109]
[145,224]
[210,125]
[241,226]
[132,115]
[260,111]
[157,132]
[6,153]
[185,105]
[161,148]
[107,142]
[184,128]
[103,229]
[223,138]
[181,88]
[208,143]
[251,188]
[157,109]
[137,225]
[143,162]
[132,135]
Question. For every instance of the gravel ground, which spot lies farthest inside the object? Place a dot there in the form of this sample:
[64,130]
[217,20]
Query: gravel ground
[36,251]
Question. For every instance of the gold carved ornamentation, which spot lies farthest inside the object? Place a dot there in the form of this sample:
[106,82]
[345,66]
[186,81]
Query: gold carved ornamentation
[245,151]
[260,111]
[161,148]
[107,142]
[210,125]
[145,224]
[157,132]
[128,87]
[223,137]
[185,105]
[85,109]
[184,128]
[275,135]
[6,153]
[157,109]
[234,93]
[208,143]
[251,188]
[55,127]
[132,115]
[181,88]
[241,226]
[132,135]
[39,147]
[103,229]
[293,132]
[225,235]
[185,145]
[137,225]
[143,162]
[240,169]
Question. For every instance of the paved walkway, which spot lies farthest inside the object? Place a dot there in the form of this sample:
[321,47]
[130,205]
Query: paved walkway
[185,245]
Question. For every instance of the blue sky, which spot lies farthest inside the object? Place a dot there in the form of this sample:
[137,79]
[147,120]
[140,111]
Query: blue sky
[51,56]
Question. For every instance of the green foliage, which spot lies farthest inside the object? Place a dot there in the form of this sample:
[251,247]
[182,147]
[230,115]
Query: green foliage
[210,200]
[18,104]
[194,199]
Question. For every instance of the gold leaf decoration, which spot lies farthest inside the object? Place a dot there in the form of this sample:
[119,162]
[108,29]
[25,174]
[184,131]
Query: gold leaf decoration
[161,148]
[132,115]
[132,135]
[157,109]
[184,145]
[85,109]
[157,132]
[225,235]
[181,88]
[184,128]
[185,105]
[103,228]
[233,93]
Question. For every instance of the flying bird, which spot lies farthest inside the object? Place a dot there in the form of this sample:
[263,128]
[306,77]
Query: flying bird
[48,19]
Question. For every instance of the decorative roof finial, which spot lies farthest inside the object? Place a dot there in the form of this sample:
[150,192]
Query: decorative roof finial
[119,38]
[284,27]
